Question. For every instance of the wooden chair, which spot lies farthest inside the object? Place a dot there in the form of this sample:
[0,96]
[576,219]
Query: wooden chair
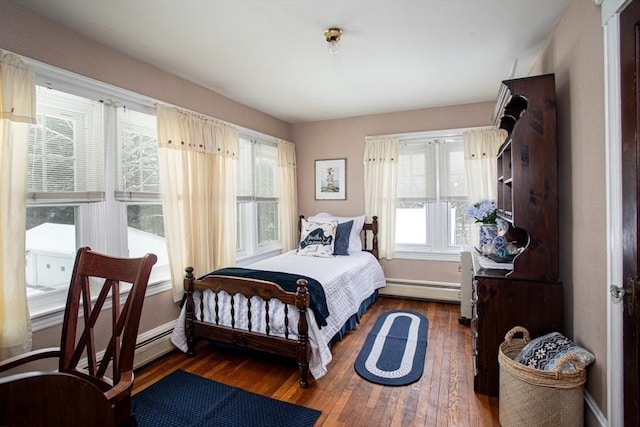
[78,354]
[38,399]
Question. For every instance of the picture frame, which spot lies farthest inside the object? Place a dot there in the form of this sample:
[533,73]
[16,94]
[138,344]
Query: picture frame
[331,182]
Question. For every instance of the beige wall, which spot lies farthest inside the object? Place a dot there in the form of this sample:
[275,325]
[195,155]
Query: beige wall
[26,34]
[344,138]
[575,53]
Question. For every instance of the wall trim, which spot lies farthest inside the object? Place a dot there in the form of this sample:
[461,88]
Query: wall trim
[595,411]
[613,155]
[437,291]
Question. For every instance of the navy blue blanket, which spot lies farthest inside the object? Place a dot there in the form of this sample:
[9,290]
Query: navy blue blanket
[287,281]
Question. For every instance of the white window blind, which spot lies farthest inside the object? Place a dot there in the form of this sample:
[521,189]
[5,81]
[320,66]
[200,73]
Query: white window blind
[417,171]
[245,168]
[92,181]
[66,149]
[431,170]
[431,194]
[266,165]
[138,174]
[453,183]
[258,221]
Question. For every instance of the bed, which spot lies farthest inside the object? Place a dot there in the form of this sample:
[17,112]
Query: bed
[247,308]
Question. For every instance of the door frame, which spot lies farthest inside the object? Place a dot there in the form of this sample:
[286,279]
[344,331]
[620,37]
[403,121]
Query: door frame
[611,10]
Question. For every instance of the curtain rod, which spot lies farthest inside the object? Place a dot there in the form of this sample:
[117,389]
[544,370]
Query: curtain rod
[430,133]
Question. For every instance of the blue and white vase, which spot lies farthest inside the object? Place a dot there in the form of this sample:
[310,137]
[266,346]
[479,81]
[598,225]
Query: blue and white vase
[488,232]
[503,226]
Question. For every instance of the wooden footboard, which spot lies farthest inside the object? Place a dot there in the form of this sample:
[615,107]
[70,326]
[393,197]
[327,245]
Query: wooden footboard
[197,327]
[213,328]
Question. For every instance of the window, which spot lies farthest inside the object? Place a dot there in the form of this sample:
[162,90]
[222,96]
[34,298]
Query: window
[431,194]
[258,230]
[138,188]
[92,181]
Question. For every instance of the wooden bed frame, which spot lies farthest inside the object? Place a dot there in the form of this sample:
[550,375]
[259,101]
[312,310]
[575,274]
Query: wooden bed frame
[285,346]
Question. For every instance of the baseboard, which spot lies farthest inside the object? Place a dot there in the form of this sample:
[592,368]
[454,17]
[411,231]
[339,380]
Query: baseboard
[437,291]
[593,415]
[149,346]
[153,344]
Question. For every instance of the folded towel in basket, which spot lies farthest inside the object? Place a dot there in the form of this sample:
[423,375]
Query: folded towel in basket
[547,351]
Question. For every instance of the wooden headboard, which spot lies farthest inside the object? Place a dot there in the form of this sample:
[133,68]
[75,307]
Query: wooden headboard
[371,228]
[369,235]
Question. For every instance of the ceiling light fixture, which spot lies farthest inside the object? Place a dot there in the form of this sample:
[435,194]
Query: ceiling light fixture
[332,35]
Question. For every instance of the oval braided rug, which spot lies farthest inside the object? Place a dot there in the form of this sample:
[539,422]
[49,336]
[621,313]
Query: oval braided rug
[395,349]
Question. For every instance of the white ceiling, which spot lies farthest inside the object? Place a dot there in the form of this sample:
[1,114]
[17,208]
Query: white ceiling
[271,55]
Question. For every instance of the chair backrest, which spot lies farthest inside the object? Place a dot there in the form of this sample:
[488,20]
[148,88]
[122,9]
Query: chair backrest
[95,279]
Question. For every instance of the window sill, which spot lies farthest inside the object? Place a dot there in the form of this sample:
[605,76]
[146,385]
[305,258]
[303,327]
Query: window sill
[251,259]
[52,316]
[428,256]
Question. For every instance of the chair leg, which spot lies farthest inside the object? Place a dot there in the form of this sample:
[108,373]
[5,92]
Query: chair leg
[122,412]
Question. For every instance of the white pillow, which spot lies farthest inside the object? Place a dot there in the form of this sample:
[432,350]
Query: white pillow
[317,238]
[355,240]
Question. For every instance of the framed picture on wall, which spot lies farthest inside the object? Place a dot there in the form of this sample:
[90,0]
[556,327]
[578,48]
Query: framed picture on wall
[331,183]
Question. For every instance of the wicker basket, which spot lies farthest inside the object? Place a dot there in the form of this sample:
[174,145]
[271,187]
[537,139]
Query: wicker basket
[531,397]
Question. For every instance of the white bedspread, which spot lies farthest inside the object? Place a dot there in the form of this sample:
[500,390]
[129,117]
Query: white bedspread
[347,281]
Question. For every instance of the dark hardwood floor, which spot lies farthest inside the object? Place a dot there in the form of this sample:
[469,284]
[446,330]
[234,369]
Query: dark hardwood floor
[443,396]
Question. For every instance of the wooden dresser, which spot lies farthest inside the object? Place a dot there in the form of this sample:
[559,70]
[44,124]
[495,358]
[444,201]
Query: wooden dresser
[530,294]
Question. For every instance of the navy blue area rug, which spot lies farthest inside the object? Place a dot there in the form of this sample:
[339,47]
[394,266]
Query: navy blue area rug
[188,400]
[395,348]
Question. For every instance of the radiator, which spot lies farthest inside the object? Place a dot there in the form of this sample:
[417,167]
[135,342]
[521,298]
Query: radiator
[466,283]
[150,345]
[434,291]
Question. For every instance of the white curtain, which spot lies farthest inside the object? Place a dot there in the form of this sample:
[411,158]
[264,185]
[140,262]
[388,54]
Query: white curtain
[480,159]
[288,188]
[380,179]
[17,110]
[198,162]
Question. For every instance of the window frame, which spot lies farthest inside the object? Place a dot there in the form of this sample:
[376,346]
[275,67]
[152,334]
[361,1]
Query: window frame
[248,248]
[436,249]
[47,310]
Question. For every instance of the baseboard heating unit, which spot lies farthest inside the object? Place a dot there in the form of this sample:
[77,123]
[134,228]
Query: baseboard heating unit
[436,291]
